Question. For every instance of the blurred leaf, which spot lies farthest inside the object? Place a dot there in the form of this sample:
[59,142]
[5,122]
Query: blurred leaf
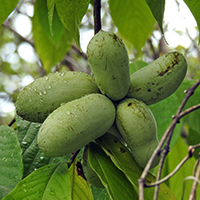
[80,189]
[6,7]
[71,14]
[50,48]
[133,19]
[163,112]
[157,8]
[11,169]
[134,66]
[50,6]
[177,153]
[114,180]
[192,119]
[124,160]
[194,6]
[193,138]
[33,158]
[49,182]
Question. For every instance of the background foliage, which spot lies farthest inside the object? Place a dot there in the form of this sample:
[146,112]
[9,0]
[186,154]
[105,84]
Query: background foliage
[54,43]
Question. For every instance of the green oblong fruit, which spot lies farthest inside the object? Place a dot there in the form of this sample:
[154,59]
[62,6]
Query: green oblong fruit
[138,128]
[109,62]
[159,79]
[75,124]
[89,173]
[38,99]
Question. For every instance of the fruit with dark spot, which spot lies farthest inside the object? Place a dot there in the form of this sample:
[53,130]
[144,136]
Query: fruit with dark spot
[109,62]
[159,79]
[138,128]
[76,123]
[37,100]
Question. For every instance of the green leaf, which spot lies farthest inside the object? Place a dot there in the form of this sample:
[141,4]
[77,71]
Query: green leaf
[80,189]
[71,13]
[177,153]
[11,169]
[49,182]
[99,193]
[134,66]
[114,180]
[51,47]
[194,6]
[133,19]
[124,160]
[157,8]
[50,6]
[6,7]
[33,157]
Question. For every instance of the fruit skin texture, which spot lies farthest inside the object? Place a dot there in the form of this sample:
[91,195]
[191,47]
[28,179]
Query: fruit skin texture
[109,62]
[37,100]
[159,79]
[138,128]
[89,173]
[75,124]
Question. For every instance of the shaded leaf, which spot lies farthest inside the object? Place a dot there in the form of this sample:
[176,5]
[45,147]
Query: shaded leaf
[71,14]
[124,160]
[51,47]
[80,189]
[11,169]
[99,193]
[157,8]
[194,6]
[33,157]
[6,7]
[133,19]
[114,180]
[49,182]
[177,153]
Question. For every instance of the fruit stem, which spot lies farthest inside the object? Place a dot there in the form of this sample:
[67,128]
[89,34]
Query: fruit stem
[97,16]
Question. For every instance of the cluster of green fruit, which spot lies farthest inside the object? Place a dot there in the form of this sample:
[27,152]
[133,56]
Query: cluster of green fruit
[76,108]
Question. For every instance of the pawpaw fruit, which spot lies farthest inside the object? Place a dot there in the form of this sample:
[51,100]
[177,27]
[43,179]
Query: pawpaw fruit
[159,79]
[38,99]
[138,128]
[76,123]
[109,62]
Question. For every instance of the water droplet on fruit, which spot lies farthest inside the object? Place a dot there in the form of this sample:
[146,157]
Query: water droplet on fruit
[44,92]
[50,86]
[40,93]
[47,78]
[67,112]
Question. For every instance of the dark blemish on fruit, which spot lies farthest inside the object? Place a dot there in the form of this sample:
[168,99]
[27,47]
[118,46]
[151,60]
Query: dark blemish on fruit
[138,89]
[122,150]
[115,141]
[129,104]
[149,90]
[79,170]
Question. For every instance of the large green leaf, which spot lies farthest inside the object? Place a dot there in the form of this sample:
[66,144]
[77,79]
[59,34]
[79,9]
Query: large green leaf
[99,193]
[80,189]
[47,183]
[194,6]
[157,8]
[50,46]
[176,182]
[71,14]
[6,7]
[133,19]
[124,160]
[114,180]
[11,166]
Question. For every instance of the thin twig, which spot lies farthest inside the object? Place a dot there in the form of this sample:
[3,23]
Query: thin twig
[194,185]
[97,16]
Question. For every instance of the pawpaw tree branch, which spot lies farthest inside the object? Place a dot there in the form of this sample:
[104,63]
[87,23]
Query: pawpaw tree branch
[97,16]
[166,138]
